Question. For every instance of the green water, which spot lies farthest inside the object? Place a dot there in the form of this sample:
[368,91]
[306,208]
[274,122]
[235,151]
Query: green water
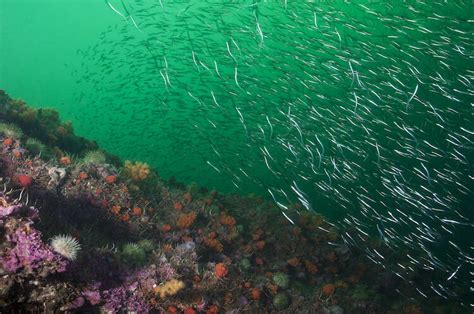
[358,111]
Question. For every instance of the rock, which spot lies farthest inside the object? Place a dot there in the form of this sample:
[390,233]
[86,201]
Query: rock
[336,309]
[57,175]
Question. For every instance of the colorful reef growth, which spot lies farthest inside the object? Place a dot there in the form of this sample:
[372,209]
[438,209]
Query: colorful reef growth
[85,234]
[136,171]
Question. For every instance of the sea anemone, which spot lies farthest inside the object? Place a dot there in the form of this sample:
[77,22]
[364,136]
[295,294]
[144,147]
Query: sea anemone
[186,220]
[281,301]
[245,264]
[10,130]
[8,141]
[281,279]
[24,180]
[134,255]
[255,294]
[111,179]
[65,245]
[146,245]
[94,157]
[65,160]
[34,146]
[328,290]
[221,270]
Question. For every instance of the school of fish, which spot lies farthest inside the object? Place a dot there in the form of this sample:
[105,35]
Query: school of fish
[363,113]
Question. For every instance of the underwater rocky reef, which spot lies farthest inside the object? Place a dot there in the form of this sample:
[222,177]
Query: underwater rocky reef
[83,231]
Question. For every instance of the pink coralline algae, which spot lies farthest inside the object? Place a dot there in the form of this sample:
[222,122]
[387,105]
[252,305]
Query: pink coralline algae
[6,211]
[122,299]
[92,295]
[23,245]
[30,253]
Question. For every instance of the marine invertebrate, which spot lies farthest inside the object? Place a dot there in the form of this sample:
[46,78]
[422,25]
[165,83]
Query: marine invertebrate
[221,270]
[247,249]
[111,179]
[65,245]
[137,171]
[169,288]
[35,146]
[281,301]
[213,309]
[146,245]
[213,244]
[10,130]
[166,228]
[136,211]
[281,279]
[125,217]
[133,255]
[310,267]
[115,209]
[272,288]
[65,160]
[255,294]
[227,219]
[245,264]
[294,261]
[260,245]
[17,153]
[186,220]
[189,310]
[8,141]
[94,157]
[24,180]
[178,206]
[328,290]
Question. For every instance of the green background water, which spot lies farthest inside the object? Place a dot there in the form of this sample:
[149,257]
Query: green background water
[251,87]
[111,92]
